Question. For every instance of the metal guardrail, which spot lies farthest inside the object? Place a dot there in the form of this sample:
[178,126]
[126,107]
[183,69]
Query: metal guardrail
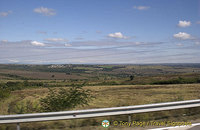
[50,116]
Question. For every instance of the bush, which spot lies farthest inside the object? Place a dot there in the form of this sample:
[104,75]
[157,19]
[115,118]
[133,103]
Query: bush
[131,77]
[63,99]
[12,86]
[23,107]
[4,93]
[178,81]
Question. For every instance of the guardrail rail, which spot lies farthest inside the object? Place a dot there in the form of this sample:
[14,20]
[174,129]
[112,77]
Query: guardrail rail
[63,115]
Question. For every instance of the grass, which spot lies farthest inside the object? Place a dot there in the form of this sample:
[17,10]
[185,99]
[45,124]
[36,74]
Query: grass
[117,95]
[125,95]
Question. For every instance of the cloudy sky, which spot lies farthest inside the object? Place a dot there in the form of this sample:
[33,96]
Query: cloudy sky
[99,31]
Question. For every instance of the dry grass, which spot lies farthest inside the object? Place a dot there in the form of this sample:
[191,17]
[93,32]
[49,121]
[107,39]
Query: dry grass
[125,95]
[117,95]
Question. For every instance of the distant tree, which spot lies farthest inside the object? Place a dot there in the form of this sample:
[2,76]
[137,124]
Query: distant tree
[65,99]
[180,78]
[26,83]
[131,77]
[52,76]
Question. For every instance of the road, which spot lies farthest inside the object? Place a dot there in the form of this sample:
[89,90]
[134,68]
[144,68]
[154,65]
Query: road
[195,126]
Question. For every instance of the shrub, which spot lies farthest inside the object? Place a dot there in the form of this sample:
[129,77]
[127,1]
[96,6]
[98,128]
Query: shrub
[131,77]
[23,107]
[14,86]
[4,93]
[177,81]
[63,99]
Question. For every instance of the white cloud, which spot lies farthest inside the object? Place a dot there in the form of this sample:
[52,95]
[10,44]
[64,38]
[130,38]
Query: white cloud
[141,7]
[183,36]
[4,41]
[179,44]
[56,40]
[117,35]
[184,23]
[4,14]
[35,43]
[68,45]
[197,42]
[45,11]
[14,61]
[138,43]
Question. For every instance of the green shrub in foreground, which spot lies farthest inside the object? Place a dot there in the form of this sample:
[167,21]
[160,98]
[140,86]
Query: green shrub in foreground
[65,99]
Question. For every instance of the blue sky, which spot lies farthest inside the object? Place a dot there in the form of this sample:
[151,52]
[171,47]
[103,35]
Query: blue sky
[99,31]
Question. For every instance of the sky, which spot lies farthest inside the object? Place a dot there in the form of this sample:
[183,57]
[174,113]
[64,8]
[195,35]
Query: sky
[99,31]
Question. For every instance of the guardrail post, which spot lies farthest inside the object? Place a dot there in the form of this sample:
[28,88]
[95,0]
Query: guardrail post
[18,126]
[129,118]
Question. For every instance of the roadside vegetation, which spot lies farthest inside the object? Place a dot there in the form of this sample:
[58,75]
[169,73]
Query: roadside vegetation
[38,88]
[65,99]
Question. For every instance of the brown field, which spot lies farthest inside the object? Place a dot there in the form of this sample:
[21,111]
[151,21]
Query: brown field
[40,75]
